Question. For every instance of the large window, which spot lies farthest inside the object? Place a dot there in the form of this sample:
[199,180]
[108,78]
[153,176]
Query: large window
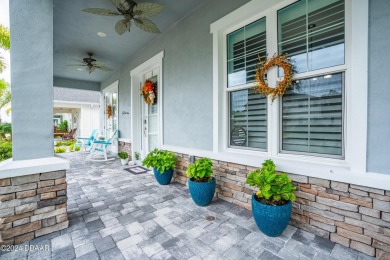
[244,47]
[311,115]
[248,119]
[247,110]
[311,32]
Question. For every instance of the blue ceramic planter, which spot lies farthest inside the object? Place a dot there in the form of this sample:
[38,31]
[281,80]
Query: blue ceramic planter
[271,220]
[164,178]
[202,193]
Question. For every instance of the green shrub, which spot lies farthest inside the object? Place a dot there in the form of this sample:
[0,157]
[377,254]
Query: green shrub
[123,155]
[59,149]
[201,170]
[78,148]
[160,160]
[274,188]
[5,151]
[71,147]
[58,144]
[69,143]
[63,126]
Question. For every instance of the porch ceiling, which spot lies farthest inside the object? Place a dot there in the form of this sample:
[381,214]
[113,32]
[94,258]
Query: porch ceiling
[75,33]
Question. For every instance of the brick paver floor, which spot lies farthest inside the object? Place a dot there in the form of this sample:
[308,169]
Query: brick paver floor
[117,215]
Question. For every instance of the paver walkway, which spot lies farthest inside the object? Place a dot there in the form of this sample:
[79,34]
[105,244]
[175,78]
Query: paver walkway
[116,215]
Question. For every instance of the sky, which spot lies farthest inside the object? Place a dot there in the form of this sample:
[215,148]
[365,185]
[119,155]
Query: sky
[6,75]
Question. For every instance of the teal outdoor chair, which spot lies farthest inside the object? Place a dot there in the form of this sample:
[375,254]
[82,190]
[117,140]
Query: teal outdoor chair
[83,142]
[99,148]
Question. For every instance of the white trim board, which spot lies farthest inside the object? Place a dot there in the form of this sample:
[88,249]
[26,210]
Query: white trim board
[356,34]
[11,168]
[153,63]
[326,171]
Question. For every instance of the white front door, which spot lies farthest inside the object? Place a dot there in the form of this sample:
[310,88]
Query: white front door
[150,117]
[111,117]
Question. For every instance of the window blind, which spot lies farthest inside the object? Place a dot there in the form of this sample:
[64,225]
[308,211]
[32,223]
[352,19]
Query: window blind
[312,33]
[244,47]
[312,116]
[248,119]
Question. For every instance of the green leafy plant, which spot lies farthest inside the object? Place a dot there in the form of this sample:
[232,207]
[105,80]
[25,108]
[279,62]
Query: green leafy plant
[59,144]
[137,155]
[5,151]
[201,170]
[78,148]
[160,160]
[59,149]
[71,147]
[69,143]
[63,126]
[274,188]
[123,155]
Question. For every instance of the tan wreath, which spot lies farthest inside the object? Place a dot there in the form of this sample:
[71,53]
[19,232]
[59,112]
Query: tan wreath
[280,61]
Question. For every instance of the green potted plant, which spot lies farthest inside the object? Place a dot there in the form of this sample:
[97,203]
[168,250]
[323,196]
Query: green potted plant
[163,163]
[200,182]
[124,158]
[137,157]
[271,205]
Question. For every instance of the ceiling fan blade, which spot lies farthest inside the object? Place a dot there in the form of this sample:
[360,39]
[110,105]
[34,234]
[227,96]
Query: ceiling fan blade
[91,69]
[104,68]
[146,25]
[122,26]
[78,65]
[101,11]
[147,9]
[97,63]
[122,4]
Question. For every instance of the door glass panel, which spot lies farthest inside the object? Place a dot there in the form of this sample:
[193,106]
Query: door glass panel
[153,122]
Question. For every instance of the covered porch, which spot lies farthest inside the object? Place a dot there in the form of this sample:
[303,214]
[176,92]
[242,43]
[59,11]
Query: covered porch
[117,215]
[328,132]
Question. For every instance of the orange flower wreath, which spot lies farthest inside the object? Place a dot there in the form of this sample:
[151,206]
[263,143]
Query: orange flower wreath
[149,91]
[287,82]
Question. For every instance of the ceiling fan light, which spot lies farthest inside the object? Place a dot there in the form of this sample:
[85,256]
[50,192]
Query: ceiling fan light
[101,34]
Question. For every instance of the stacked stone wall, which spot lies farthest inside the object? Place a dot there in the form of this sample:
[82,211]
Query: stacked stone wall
[353,216]
[32,206]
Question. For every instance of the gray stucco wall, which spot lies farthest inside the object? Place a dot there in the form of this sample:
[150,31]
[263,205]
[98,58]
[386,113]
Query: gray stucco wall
[187,77]
[379,88]
[76,84]
[31,22]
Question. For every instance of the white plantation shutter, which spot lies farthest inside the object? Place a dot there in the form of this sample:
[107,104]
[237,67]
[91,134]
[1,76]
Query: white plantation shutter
[312,33]
[248,119]
[244,47]
[248,110]
[312,116]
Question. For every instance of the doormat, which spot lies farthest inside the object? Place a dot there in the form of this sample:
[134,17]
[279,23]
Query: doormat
[137,170]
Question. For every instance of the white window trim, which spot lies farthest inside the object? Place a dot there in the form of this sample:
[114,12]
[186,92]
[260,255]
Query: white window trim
[355,133]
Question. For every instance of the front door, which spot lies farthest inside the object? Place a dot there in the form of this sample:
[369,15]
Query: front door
[150,117]
[111,118]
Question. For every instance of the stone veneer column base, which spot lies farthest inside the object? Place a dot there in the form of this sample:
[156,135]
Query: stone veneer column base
[351,215]
[125,147]
[32,206]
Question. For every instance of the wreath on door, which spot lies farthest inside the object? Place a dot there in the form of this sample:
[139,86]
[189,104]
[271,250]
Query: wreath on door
[281,61]
[109,111]
[149,92]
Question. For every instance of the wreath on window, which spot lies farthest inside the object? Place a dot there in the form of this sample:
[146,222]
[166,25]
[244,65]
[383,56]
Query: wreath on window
[278,60]
[149,92]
